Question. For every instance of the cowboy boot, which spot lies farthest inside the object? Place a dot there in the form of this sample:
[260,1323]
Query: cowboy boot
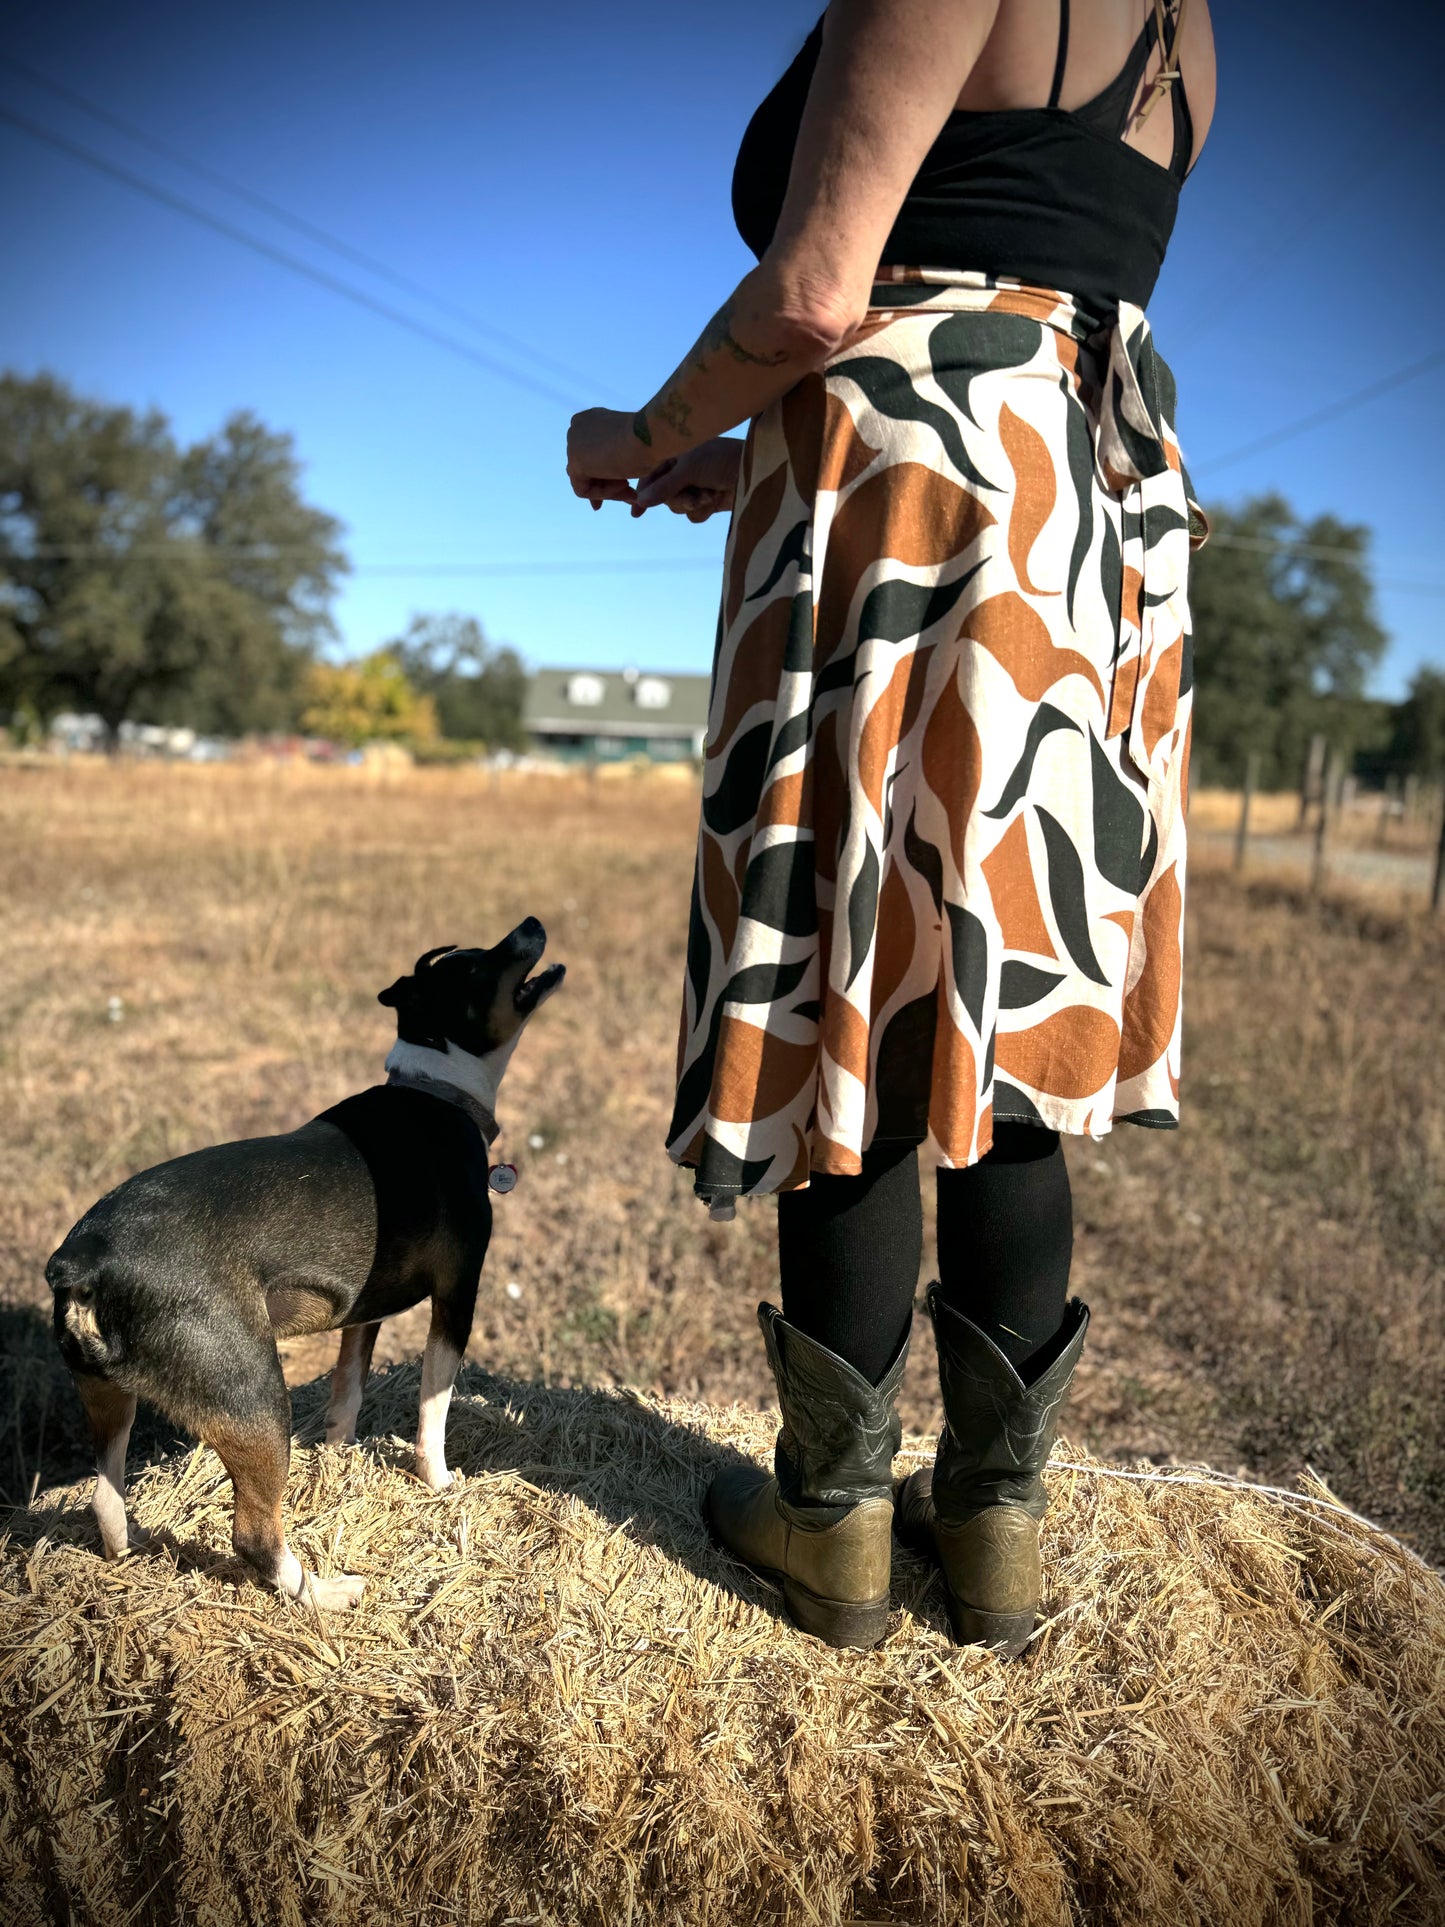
[977,1509]
[821,1526]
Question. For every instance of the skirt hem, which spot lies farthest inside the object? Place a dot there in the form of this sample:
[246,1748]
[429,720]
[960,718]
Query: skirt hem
[1144,1120]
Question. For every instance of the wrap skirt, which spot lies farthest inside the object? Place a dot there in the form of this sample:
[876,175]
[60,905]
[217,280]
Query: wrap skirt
[940,866]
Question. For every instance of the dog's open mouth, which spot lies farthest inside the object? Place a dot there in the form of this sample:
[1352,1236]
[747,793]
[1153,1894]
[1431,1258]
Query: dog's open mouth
[534,990]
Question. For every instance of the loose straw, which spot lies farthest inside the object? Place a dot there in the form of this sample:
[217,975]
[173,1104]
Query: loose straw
[1327,1506]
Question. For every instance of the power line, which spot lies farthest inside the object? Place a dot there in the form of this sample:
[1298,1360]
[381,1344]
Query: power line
[65,551]
[138,184]
[1266,545]
[626,565]
[1324,552]
[519,378]
[441,570]
[652,565]
[274,551]
[1328,414]
[321,236]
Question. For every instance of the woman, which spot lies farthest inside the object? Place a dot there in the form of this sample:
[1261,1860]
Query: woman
[939,884]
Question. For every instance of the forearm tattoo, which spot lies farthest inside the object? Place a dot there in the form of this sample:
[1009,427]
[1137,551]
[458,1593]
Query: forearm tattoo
[668,405]
[719,334]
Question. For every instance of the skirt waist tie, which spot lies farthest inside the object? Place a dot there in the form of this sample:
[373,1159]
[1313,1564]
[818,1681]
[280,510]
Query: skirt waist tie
[1138,454]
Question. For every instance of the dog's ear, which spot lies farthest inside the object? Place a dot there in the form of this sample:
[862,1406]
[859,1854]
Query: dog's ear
[403,991]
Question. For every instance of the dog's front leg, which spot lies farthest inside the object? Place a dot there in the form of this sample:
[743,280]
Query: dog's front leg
[438,1375]
[348,1382]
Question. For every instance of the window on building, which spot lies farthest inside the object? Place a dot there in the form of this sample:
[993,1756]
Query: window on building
[584,692]
[651,692]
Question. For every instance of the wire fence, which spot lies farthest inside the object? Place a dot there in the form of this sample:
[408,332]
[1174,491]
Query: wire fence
[1393,836]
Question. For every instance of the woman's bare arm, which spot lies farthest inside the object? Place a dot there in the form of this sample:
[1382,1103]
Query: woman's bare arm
[888,75]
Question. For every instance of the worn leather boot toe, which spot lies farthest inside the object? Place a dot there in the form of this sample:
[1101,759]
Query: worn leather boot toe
[834,1577]
[976,1510]
[820,1525]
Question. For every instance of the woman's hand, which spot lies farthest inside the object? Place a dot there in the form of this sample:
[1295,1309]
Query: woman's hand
[699,484]
[602,452]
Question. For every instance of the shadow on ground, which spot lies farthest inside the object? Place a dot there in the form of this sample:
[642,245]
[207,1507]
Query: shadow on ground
[638,1469]
[44,1439]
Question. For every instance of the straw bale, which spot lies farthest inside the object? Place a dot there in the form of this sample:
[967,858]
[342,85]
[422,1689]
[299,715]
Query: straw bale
[558,1702]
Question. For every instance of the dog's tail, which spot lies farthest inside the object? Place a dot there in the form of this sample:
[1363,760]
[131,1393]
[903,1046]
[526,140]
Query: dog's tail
[73,1275]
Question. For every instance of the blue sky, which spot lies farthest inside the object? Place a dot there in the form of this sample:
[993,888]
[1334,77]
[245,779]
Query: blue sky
[562,174]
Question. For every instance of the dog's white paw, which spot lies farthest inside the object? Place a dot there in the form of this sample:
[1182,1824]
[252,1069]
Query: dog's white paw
[333,1595]
[134,1539]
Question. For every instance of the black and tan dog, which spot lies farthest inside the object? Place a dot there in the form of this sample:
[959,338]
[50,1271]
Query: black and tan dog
[175,1287]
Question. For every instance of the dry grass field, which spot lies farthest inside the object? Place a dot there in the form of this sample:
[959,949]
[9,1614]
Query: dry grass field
[1267,1282]
[193,954]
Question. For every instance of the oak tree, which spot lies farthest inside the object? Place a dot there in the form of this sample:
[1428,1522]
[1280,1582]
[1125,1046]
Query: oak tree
[144,581]
[1285,637]
[479,687]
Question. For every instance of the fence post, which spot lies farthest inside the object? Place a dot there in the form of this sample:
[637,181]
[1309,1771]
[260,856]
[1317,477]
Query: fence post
[1327,789]
[1387,808]
[1251,781]
[1437,888]
[1312,782]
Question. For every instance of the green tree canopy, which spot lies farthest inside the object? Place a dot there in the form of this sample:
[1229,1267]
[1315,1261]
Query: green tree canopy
[1285,637]
[1417,743]
[144,581]
[370,701]
[478,688]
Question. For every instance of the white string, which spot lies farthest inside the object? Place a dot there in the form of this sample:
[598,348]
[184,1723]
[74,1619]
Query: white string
[1227,1480]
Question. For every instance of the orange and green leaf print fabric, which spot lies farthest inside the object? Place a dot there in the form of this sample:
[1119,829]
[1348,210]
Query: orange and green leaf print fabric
[940,868]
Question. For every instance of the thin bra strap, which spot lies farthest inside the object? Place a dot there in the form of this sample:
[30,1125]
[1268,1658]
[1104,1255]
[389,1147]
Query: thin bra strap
[1062,56]
[1109,110]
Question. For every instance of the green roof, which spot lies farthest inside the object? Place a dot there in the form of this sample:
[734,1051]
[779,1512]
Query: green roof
[631,702]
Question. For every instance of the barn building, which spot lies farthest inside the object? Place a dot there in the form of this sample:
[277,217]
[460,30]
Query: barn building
[603,715]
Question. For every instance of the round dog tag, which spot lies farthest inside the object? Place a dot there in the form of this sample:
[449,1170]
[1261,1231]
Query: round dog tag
[502,1177]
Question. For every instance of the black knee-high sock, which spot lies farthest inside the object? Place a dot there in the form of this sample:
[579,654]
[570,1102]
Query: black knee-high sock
[1006,1238]
[849,1250]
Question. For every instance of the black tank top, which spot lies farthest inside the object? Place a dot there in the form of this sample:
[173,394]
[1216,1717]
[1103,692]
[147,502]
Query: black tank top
[1045,195]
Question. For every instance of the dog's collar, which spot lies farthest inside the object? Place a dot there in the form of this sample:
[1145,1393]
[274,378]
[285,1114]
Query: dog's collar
[450,1094]
[455,1077]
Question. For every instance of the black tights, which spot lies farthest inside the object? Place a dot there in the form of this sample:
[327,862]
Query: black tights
[849,1249]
